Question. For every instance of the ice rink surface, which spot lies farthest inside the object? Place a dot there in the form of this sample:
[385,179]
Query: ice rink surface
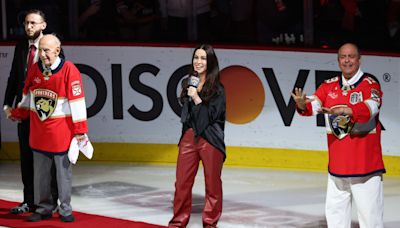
[253,197]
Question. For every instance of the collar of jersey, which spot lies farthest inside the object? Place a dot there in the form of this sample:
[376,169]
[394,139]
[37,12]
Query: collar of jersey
[354,81]
[54,69]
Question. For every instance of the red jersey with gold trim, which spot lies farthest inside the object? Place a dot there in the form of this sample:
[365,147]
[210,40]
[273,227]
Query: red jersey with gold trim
[57,106]
[355,149]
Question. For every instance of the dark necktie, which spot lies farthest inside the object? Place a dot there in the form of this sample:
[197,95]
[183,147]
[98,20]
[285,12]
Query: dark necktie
[31,56]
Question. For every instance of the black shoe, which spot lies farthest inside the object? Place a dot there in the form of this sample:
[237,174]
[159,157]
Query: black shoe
[68,218]
[55,209]
[36,217]
[20,209]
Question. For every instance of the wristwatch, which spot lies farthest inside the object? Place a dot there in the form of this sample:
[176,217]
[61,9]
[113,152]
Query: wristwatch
[5,107]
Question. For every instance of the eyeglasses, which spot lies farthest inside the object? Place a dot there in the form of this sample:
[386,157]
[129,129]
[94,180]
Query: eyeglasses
[33,23]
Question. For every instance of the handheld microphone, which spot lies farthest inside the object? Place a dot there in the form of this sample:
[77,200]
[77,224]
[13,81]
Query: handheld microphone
[194,81]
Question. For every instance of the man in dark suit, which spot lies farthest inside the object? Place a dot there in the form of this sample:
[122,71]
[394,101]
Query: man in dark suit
[25,54]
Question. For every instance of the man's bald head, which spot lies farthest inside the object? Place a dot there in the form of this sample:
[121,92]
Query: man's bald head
[349,60]
[49,49]
[51,38]
[351,46]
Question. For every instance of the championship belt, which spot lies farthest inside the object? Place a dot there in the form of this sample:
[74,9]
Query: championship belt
[340,125]
[45,102]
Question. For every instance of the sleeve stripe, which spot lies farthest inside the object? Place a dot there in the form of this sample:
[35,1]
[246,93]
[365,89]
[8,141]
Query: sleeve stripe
[373,107]
[316,104]
[25,101]
[78,110]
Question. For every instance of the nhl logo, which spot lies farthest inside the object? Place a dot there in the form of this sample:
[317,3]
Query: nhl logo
[45,103]
[47,73]
[345,90]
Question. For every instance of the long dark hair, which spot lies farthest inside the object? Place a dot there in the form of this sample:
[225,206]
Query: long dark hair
[212,82]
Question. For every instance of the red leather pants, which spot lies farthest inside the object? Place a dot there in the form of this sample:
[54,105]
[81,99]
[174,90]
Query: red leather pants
[191,151]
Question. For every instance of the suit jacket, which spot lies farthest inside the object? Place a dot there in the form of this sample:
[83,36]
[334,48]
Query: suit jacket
[16,80]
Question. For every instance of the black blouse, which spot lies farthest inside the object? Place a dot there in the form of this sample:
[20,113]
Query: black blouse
[207,119]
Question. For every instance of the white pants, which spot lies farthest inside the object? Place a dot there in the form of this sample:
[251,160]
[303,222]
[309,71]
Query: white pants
[367,193]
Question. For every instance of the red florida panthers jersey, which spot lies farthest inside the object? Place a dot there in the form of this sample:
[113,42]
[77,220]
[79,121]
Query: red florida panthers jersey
[57,106]
[358,152]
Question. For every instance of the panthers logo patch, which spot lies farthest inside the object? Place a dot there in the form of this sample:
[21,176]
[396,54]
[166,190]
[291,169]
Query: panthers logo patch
[340,125]
[45,102]
[76,88]
[375,95]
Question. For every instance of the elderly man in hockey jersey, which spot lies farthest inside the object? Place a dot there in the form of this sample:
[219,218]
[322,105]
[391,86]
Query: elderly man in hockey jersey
[54,96]
[351,103]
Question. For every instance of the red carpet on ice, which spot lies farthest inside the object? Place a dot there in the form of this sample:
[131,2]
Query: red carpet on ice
[81,220]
